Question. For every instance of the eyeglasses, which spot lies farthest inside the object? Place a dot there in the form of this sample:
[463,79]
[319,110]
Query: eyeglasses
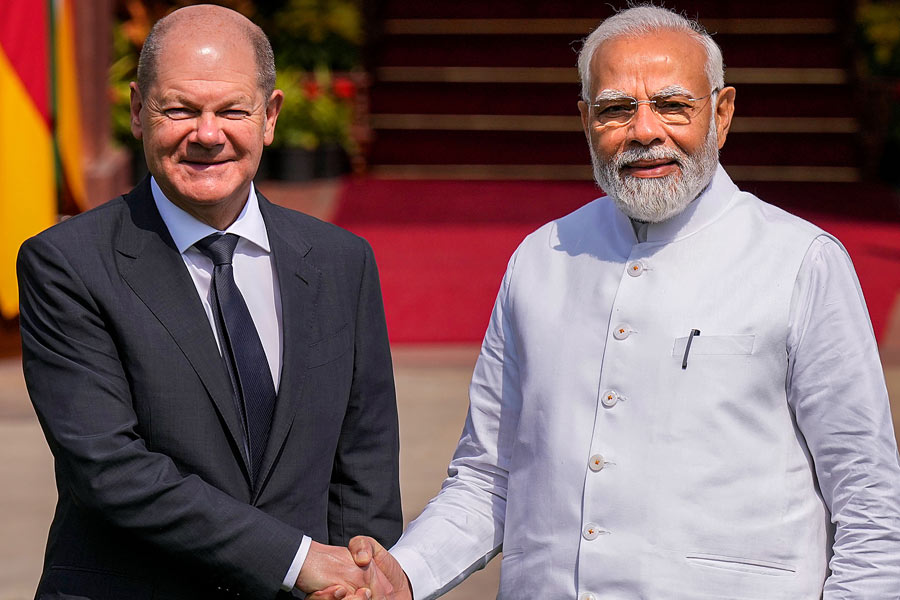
[671,109]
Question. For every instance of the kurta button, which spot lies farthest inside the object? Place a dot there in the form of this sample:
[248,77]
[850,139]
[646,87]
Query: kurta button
[635,269]
[591,531]
[597,462]
[621,332]
[609,399]
[587,596]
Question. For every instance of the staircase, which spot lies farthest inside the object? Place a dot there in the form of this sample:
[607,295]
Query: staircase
[488,90]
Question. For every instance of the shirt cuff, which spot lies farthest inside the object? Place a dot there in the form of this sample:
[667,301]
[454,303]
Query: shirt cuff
[422,582]
[290,580]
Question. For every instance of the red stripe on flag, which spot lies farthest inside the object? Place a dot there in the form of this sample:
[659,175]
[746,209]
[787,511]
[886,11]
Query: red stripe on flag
[23,38]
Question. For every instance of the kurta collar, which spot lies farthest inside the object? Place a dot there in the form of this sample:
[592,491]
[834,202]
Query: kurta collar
[711,203]
[186,230]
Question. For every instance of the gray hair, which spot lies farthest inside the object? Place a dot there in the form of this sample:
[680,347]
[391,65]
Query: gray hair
[262,48]
[641,20]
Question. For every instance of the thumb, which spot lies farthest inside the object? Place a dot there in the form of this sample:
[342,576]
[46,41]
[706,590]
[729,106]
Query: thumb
[363,549]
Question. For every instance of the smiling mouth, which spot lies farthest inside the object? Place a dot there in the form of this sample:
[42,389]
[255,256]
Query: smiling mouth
[650,164]
[204,164]
[659,167]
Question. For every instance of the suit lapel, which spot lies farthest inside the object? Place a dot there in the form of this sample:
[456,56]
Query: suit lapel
[299,284]
[151,265]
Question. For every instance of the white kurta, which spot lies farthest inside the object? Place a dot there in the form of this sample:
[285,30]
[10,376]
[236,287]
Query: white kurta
[605,470]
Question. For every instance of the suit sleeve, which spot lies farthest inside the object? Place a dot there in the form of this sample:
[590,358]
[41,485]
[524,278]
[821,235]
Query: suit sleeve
[837,390]
[82,397]
[364,496]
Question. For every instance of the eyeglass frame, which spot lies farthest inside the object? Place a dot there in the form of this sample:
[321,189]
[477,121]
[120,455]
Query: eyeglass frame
[637,105]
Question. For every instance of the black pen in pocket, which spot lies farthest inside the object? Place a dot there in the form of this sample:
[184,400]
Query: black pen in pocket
[687,347]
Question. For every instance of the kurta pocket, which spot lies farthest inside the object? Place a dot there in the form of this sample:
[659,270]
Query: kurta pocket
[715,344]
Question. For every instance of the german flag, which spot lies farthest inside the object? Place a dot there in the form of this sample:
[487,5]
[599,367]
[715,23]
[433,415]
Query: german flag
[40,132]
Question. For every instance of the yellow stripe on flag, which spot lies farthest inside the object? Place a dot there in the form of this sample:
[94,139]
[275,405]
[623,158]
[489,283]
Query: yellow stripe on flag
[27,190]
[68,113]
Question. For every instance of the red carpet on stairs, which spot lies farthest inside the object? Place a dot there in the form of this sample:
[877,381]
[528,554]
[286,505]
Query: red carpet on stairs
[442,247]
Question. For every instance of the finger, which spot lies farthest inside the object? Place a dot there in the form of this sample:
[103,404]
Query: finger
[335,592]
[363,549]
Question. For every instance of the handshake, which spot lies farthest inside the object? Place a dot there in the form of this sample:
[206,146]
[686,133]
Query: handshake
[362,571]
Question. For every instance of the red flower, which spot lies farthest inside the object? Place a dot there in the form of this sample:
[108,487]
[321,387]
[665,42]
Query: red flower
[344,88]
[312,89]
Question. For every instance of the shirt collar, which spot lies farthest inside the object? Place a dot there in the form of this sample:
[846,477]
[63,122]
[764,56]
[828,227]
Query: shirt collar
[186,230]
[705,209]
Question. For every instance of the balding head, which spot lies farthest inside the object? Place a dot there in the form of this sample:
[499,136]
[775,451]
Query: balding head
[206,20]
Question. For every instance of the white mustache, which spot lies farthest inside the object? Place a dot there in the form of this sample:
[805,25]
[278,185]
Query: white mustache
[647,153]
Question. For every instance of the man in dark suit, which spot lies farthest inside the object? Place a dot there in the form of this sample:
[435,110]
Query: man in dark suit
[196,458]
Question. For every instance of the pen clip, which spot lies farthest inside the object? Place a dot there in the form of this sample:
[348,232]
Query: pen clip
[687,347]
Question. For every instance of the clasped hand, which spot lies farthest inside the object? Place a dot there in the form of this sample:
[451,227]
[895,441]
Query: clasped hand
[363,571]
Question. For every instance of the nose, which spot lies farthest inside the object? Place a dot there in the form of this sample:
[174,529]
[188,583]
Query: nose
[645,127]
[208,132]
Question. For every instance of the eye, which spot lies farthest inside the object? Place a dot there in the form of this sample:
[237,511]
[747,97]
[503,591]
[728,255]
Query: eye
[235,113]
[613,109]
[178,113]
[673,105]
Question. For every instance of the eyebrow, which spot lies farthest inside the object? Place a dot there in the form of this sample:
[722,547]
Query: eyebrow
[611,94]
[222,103]
[666,92]
[673,90]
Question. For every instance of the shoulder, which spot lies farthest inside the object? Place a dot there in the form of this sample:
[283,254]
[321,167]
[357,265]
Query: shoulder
[768,217]
[572,230]
[309,228]
[324,243]
[84,230]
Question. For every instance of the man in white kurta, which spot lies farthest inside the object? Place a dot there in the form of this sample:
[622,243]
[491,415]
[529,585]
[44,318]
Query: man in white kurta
[606,470]
[679,393]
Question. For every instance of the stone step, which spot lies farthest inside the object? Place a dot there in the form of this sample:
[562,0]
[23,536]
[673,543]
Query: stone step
[559,50]
[708,9]
[560,99]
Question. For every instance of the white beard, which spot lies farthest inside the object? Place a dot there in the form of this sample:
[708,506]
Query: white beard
[656,199]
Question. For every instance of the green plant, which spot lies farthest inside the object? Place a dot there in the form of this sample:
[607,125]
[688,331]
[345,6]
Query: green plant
[314,34]
[879,27]
[122,71]
[317,110]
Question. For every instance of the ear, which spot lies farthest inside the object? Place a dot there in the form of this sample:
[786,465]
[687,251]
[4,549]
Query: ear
[136,104]
[724,113]
[273,107]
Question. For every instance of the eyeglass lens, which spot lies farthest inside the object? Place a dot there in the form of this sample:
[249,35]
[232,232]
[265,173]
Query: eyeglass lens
[670,109]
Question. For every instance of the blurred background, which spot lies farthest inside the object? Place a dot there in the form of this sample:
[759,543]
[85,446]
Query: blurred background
[443,132]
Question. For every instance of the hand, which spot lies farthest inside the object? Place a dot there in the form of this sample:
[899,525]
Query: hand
[364,550]
[333,570]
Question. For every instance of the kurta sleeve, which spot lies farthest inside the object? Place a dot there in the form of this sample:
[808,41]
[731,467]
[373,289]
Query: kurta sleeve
[837,391]
[461,529]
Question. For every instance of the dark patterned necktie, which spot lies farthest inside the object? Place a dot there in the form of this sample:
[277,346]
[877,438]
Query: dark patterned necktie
[241,347]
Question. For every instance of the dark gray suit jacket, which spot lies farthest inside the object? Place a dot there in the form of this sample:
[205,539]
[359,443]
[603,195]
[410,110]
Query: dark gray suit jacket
[123,370]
